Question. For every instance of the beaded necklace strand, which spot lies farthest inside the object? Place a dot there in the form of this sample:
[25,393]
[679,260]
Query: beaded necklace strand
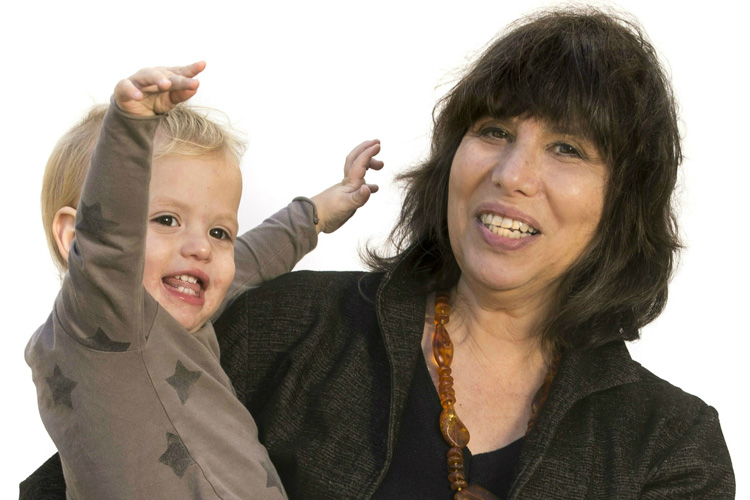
[454,431]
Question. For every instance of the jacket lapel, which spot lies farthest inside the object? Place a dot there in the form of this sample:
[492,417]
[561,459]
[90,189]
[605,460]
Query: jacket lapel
[400,306]
[580,374]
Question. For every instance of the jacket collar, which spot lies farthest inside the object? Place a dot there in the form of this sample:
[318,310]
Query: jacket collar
[400,304]
[580,374]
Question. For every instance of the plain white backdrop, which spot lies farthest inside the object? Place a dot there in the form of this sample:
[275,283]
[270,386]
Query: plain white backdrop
[305,82]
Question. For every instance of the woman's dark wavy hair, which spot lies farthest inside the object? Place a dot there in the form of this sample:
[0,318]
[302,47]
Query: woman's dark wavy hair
[592,73]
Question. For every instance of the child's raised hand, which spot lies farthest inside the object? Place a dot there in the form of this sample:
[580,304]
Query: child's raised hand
[339,202]
[153,91]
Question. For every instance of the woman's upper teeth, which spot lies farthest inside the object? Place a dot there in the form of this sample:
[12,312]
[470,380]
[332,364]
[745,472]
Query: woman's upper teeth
[507,223]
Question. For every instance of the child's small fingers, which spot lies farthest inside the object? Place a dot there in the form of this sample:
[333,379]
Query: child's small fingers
[357,151]
[152,79]
[361,196]
[125,90]
[189,70]
[361,163]
[180,82]
[375,164]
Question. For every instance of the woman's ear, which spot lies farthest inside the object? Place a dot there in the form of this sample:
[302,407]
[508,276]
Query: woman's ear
[64,230]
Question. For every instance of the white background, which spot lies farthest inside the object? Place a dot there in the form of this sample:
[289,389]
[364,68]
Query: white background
[306,81]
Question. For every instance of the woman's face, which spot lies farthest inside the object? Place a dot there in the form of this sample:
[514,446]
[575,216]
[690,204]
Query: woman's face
[524,201]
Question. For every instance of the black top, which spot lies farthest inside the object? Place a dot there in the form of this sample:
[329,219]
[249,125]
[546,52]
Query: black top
[418,468]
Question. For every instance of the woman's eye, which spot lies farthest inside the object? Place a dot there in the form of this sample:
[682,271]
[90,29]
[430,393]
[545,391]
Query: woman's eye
[568,150]
[494,133]
[219,234]
[166,220]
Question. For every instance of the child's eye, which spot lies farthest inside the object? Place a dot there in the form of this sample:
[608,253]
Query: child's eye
[166,220]
[219,234]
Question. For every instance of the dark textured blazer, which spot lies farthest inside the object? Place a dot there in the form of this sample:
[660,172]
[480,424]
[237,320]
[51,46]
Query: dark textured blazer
[324,362]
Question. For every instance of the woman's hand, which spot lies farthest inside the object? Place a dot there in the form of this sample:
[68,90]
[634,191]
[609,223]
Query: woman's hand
[339,202]
[153,91]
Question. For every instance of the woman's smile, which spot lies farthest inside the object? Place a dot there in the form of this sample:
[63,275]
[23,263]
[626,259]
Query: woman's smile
[523,203]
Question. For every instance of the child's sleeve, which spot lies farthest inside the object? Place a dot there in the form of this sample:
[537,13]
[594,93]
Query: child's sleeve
[102,302]
[273,248]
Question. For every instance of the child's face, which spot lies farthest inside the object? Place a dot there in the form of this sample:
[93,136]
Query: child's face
[192,226]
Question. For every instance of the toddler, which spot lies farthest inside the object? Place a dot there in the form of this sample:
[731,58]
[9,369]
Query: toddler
[127,366]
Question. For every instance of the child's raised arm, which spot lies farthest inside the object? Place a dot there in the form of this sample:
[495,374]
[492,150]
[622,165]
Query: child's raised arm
[338,203]
[275,247]
[113,209]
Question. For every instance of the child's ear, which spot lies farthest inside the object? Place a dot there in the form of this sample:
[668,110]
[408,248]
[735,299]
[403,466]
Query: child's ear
[64,230]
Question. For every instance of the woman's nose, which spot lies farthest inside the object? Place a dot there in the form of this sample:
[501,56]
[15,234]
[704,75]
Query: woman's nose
[196,246]
[517,169]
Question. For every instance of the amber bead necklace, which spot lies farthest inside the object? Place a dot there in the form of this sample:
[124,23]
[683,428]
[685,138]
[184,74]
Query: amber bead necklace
[454,431]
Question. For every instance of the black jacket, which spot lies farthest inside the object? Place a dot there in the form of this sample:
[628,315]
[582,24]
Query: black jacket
[324,362]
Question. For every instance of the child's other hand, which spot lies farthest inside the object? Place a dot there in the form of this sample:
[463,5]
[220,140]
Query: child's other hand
[339,202]
[153,91]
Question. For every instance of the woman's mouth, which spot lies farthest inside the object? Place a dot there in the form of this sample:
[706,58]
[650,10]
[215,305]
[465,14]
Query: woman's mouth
[507,227]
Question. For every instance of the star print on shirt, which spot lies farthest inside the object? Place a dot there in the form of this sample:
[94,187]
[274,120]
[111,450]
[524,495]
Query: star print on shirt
[176,456]
[93,222]
[102,342]
[61,387]
[182,380]
[272,478]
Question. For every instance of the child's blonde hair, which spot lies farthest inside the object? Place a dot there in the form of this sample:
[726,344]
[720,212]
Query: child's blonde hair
[184,131]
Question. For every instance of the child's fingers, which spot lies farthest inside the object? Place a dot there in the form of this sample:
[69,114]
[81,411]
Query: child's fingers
[356,169]
[125,90]
[152,80]
[375,164]
[190,70]
[357,152]
[178,96]
[360,196]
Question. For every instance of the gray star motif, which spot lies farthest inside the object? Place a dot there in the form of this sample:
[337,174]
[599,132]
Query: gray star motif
[61,387]
[182,380]
[102,342]
[93,222]
[272,478]
[176,456]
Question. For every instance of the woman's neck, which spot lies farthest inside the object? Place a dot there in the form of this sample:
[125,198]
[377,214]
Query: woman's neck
[498,365]
[501,324]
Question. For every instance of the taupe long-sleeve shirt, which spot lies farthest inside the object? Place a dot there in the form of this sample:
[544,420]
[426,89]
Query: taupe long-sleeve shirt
[137,406]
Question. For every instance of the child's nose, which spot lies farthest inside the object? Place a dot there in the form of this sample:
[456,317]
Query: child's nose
[197,246]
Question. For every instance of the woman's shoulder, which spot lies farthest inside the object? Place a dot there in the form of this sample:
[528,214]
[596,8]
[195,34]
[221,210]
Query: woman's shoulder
[652,431]
[608,372]
[310,290]
[682,435]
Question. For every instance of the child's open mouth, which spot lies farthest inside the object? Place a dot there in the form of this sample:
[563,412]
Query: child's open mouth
[185,284]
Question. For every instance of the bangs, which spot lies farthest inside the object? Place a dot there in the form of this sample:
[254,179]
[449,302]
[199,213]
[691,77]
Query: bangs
[572,75]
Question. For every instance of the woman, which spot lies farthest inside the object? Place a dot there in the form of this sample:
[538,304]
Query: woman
[541,231]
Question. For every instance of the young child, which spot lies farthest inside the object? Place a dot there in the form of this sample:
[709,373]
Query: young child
[127,366]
